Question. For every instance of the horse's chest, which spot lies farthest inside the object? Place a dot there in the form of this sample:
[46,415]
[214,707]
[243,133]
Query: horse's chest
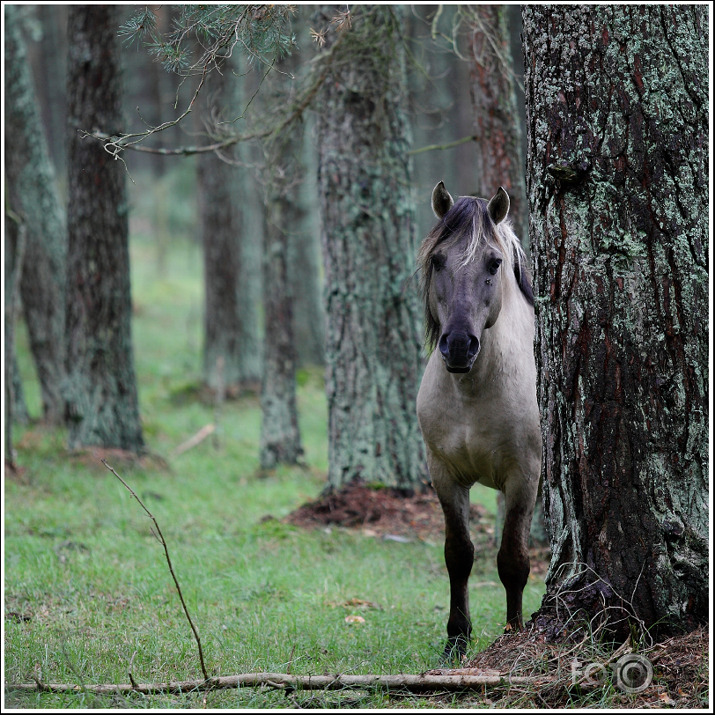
[469,442]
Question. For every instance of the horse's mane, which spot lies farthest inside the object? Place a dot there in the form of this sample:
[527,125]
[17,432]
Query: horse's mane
[468,218]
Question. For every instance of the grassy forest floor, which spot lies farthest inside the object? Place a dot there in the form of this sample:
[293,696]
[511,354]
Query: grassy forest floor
[270,586]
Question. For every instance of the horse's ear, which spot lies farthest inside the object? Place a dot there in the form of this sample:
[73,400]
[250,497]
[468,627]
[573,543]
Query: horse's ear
[442,201]
[498,206]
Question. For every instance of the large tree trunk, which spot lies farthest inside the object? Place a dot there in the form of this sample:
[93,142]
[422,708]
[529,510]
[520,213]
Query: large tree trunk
[231,353]
[33,200]
[102,404]
[373,336]
[617,105]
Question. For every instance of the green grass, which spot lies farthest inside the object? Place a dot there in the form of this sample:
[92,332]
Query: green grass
[88,596]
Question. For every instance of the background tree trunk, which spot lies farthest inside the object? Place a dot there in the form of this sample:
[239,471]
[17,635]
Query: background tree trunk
[102,404]
[500,161]
[284,173]
[14,253]
[305,259]
[617,107]
[373,336]
[33,199]
[500,157]
[232,352]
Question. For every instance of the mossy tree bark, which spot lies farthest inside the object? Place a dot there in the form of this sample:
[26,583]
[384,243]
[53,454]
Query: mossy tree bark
[617,108]
[33,200]
[373,335]
[231,250]
[102,403]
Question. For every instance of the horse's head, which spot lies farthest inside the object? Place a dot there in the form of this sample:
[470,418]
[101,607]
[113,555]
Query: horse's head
[463,261]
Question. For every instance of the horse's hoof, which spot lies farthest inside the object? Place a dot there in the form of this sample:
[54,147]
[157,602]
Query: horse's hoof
[454,651]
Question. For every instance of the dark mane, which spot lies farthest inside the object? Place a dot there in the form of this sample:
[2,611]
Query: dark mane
[468,217]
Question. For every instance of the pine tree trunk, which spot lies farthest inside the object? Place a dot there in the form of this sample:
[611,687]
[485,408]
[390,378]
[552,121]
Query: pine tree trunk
[617,107]
[231,353]
[500,160]
[305,276]
[14,254]
[33,199]
[373,336]
[283,174]
[102,404]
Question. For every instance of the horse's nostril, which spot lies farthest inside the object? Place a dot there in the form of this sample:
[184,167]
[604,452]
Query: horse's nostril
[458,345]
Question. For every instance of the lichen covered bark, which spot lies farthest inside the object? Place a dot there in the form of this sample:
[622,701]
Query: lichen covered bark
[33,199]
[617,114]
[373,336]
[102,403]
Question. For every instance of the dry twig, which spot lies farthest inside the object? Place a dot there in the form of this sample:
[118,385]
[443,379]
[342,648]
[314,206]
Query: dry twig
[162,541]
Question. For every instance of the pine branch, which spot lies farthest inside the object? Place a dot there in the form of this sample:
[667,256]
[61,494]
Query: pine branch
[117,143]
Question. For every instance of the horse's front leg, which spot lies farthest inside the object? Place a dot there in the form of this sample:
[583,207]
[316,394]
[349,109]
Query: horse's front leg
[513,556]
[459,557]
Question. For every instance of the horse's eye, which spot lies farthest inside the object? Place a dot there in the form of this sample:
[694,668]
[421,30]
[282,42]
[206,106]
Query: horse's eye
[438,261]
[494,265]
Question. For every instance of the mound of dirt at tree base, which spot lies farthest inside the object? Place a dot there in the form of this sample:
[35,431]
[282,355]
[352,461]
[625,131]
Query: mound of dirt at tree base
[393,514]
[384,511]
[680,672]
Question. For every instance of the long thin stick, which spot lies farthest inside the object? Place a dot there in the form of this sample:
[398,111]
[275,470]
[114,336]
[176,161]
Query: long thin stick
[162,541]
[421,683]
[450,145]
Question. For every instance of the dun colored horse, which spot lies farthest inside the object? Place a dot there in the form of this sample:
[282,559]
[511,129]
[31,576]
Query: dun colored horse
[477,404]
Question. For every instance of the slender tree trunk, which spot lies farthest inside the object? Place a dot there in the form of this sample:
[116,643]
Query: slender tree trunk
[284,173]
[50,76]
[33,199]
[617,104]
[373,337]
[305,274]
[14,253]
[102,403]
[231,354]
[500,160]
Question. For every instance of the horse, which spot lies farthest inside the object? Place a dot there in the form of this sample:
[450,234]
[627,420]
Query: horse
[477,406]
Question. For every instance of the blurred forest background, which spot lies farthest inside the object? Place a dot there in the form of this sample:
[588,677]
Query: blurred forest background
[253,206]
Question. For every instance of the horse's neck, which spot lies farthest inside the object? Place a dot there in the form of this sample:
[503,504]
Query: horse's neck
[507,346]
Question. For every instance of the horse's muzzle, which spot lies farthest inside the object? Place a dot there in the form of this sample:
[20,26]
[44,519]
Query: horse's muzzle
[459,350]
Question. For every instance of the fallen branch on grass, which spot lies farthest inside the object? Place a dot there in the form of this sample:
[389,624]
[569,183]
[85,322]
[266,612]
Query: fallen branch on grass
[423,683]
[198,438]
